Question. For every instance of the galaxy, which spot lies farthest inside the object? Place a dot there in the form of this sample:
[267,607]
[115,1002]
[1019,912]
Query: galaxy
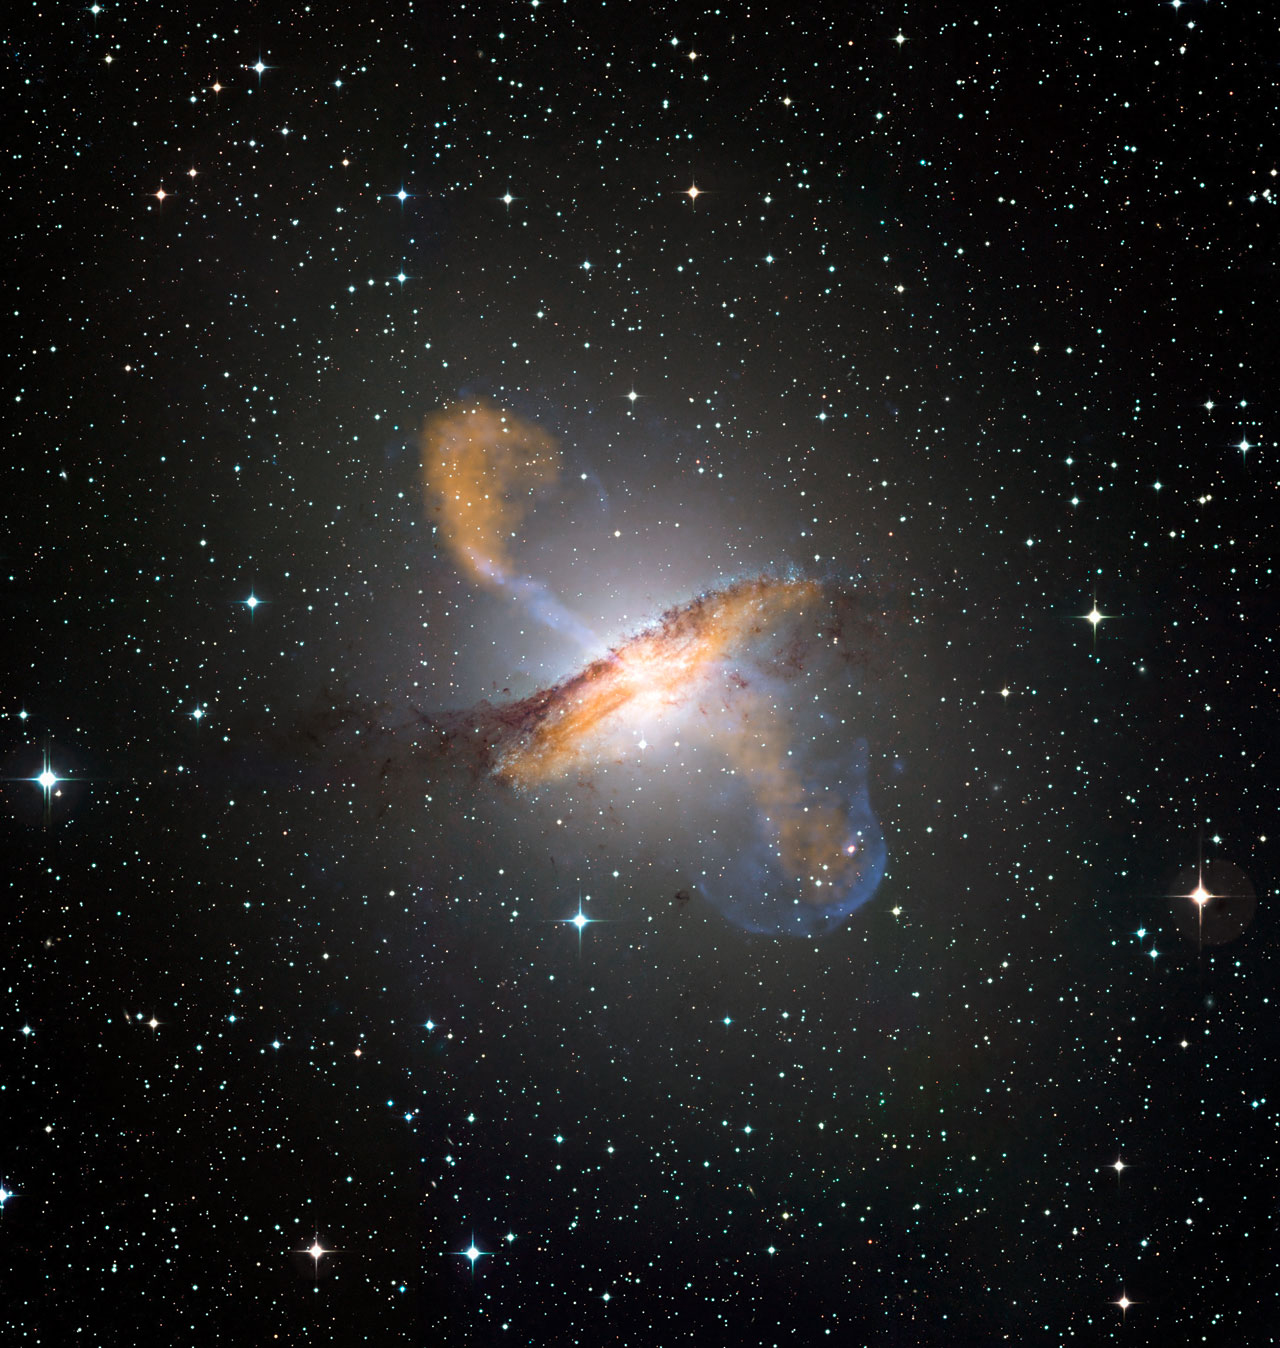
[713,671]
[642,702]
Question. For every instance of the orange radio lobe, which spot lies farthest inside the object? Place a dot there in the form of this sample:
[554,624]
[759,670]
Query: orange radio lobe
[481,466]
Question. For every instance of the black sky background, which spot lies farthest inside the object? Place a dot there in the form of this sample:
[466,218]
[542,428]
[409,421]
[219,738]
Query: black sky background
[1014,257]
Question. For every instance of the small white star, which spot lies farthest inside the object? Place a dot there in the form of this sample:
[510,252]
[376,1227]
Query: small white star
[507,199]
[252,602]
[259,67]
[198,714]
[402,196]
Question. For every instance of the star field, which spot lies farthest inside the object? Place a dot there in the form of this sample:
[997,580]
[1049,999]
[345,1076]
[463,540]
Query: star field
[378,820]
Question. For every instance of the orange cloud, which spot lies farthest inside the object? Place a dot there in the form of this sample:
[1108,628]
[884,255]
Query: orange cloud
[481,468]
[810,831]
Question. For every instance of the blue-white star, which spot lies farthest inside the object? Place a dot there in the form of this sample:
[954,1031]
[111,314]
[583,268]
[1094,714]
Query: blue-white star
[579,920]
[48,781]
[472,1253]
